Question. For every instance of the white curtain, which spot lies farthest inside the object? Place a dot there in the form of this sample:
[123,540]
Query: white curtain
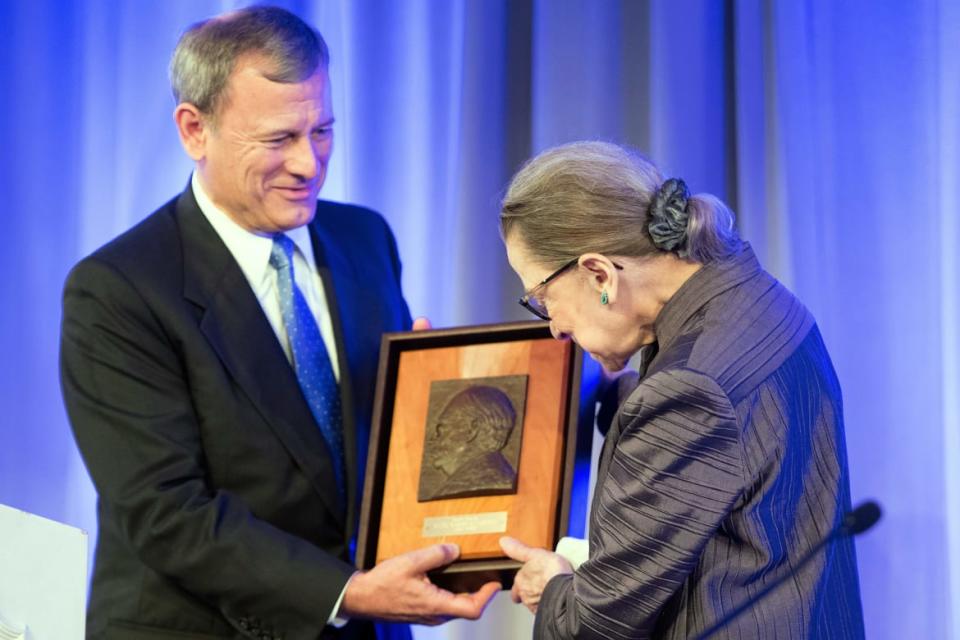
[830,127]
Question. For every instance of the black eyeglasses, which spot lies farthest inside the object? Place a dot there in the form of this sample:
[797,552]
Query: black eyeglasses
[533,304]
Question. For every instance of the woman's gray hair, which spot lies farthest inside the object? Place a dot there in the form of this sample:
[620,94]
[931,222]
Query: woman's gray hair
[208,51]
[600,197]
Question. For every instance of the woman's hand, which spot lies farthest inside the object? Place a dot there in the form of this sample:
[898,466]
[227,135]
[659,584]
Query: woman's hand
[539,567]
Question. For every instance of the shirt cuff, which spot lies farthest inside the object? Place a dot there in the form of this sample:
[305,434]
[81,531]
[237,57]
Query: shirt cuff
[335,619]
[573,550]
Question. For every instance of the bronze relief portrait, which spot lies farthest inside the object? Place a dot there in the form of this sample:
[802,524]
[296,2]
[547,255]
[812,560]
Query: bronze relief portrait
[473,435]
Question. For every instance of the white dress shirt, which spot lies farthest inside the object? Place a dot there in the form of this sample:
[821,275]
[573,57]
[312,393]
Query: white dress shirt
[252,252]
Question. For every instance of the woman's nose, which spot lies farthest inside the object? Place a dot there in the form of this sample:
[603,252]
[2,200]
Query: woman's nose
[559,335]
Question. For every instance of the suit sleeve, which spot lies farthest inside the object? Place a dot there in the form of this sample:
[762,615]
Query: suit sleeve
[612,397]
[391,241]
[126,393]
[675,473]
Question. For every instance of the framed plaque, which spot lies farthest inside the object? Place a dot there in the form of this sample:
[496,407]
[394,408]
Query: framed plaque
[473,437]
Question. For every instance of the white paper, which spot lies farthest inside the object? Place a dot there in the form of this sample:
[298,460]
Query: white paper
[10,631]
[43,577]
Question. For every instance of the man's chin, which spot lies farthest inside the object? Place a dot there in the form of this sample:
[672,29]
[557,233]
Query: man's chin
[291,217]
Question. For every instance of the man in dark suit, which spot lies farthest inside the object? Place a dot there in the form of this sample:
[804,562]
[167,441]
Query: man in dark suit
[218,362]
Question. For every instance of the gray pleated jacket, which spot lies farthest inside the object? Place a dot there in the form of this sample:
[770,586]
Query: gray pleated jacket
[721,469]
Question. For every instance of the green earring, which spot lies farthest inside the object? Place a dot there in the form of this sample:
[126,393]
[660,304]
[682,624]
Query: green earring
[604,298]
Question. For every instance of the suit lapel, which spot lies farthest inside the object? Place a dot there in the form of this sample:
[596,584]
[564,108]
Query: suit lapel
[339,280]
[234,324]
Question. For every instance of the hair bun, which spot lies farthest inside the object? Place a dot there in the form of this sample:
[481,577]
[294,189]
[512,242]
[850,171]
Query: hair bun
[668,217]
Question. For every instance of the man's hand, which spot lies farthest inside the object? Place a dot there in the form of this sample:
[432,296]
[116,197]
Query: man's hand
[421,323]
[539,566]
[398,589]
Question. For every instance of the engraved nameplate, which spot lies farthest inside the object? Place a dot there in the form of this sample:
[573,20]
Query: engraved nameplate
[470,524]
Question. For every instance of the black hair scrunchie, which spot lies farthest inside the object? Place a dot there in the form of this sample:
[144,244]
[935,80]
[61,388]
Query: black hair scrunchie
[668,217]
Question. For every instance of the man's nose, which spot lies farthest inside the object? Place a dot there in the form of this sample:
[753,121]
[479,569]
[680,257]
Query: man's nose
[304,160]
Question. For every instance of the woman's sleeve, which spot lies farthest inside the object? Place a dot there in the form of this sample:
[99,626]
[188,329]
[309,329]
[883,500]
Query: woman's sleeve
[674,473]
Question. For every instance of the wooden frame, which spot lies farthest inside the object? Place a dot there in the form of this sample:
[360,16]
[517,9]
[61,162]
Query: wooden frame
[409,363]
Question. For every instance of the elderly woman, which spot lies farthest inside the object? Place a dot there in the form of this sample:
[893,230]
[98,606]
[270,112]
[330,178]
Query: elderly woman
[726,463]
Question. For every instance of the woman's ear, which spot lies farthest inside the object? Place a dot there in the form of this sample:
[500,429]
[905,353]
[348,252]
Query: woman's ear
[602,276]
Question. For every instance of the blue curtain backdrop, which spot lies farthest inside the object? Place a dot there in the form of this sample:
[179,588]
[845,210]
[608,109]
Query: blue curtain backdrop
[831,127]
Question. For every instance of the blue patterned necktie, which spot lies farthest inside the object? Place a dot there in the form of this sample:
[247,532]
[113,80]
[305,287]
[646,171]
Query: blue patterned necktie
[310,358]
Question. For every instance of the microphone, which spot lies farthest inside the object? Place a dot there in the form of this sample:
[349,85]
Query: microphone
[860,519]
[854,523]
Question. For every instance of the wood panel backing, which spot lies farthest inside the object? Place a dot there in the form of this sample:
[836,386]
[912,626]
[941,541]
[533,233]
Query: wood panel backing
[531,512]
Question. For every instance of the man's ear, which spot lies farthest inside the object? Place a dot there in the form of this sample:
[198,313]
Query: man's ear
[194,128]
[601,274]
[476,424]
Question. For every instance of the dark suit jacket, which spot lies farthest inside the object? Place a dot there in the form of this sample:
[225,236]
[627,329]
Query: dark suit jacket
[218,513]
[722,468]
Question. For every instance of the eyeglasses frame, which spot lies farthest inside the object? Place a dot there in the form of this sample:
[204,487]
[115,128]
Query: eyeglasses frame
[524,300]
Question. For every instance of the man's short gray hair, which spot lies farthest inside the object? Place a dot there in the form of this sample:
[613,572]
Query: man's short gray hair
[208,51]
